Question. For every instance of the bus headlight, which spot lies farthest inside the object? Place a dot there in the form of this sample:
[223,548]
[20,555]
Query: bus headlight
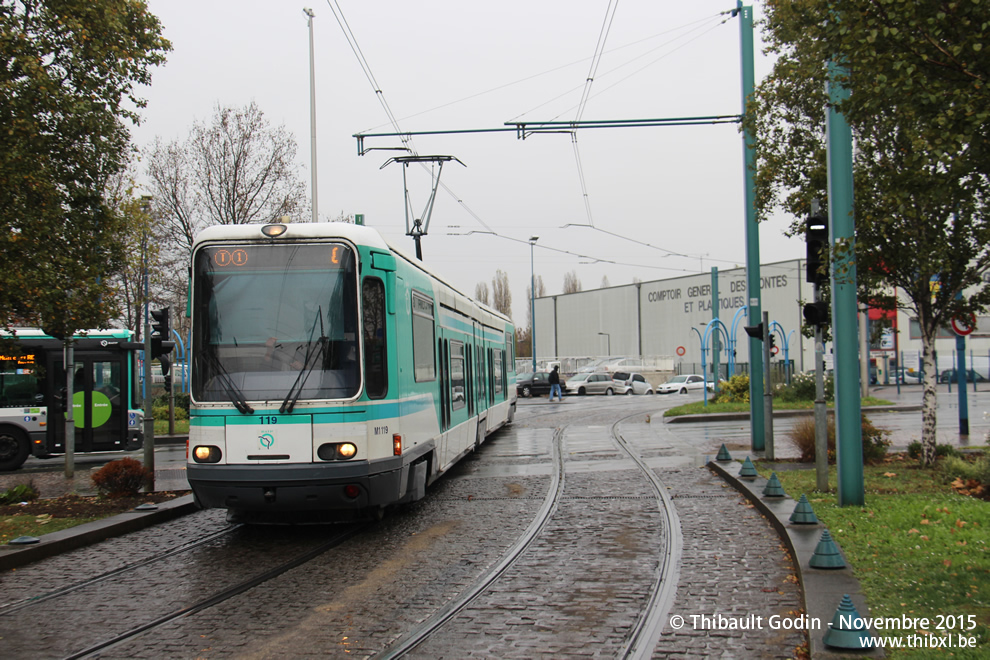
[206,454]
[346,450]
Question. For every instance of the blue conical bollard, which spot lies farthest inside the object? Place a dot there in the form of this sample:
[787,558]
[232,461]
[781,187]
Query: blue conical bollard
[24,540]
[748,470]
[847,630]
[827,553]
[803,513]
[773,488]
[723,454]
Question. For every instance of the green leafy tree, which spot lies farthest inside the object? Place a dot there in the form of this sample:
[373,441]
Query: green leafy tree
[919,111]
[68,72]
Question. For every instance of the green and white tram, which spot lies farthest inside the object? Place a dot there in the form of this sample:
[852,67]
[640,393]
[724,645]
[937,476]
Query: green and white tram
[32,395]
[333,374]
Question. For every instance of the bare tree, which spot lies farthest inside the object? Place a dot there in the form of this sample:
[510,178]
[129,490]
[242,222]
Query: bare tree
[245,169]
[481,293]
[571,283]
[237,169]
[541,291]
[501,293]
[173,189]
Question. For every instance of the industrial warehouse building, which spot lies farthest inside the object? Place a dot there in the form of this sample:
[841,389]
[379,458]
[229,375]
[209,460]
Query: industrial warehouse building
[662,322]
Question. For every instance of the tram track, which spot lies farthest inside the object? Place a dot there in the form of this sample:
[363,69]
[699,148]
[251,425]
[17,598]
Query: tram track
[642,636]
[555,492]
[10,608]
[221,596]
[646,631]
[137,609]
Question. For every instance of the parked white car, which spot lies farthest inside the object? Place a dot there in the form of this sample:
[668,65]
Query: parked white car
[597,383]
[683,384]
[636,383]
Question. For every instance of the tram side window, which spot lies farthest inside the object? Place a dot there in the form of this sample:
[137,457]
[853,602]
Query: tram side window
[424,358]
[375,370]
[458,398]
[497,369]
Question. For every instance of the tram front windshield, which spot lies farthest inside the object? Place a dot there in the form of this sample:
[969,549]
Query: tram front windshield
[275,321]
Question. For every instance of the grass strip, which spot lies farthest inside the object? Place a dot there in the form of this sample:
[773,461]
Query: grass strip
[918,549]
[699,407]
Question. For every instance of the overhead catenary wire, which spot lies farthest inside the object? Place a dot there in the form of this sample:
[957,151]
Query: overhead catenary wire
[407,141]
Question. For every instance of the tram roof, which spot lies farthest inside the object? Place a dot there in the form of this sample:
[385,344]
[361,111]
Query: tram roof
[357,234]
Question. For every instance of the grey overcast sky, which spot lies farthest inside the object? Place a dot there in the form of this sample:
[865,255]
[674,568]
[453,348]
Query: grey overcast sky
[445,65]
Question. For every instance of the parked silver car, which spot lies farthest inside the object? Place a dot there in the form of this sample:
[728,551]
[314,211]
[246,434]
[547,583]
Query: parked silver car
[636,383]
[596,383]
[683,384]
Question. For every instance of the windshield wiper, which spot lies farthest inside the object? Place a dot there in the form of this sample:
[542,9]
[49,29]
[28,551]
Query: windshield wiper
[297,387]
[235,396]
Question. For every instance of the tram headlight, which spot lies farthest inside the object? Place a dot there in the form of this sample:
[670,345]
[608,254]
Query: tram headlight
[206,454]
[336,451]
[274,231]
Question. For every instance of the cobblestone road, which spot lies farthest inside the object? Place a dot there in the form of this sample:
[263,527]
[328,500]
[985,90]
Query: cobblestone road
[575,593]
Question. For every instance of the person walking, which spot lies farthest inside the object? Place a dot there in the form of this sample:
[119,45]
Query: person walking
[555,384]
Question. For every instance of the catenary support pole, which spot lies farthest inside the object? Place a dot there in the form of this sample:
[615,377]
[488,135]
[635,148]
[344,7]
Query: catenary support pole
[848,423]
[757,421]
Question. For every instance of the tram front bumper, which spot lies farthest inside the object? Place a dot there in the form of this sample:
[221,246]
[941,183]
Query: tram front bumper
[284,488]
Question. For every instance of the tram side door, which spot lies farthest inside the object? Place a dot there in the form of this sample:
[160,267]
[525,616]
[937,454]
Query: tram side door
[99,401]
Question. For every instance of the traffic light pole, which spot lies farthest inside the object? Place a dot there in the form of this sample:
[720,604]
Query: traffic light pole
[821,421]
[767,393]
[149,416]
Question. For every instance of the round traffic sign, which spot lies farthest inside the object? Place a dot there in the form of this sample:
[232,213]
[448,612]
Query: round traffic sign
[774,350]
[963,326]
[681,351]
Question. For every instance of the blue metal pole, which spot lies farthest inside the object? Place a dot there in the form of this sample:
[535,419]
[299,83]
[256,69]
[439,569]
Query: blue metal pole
[532,301]
[961,375]
[732,339]
[715,315]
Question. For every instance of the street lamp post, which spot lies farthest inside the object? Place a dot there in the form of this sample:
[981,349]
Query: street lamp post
[312,113]
[532,299]
[609,344]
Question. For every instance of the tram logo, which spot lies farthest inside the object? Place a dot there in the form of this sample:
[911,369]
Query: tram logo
[266,440]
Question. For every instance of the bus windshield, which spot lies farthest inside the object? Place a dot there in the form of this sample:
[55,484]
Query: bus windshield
[274,322]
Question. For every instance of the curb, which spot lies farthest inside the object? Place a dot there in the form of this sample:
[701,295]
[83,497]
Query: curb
[739,416]
[12,556]
[821,590]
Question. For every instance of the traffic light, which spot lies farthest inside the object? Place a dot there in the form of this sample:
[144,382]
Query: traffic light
[773,343]
[816,237]
[816,313]
[165,362]
[754,331]
[159,338]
